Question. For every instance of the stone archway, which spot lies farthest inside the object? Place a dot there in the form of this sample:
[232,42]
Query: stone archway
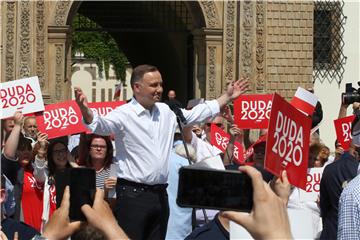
[207,42]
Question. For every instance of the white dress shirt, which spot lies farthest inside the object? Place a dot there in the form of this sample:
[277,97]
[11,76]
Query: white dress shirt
[144,139]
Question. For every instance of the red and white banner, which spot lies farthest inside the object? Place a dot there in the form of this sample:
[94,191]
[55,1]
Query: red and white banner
[304,101]
[220,140]
[103,108]
[287,145]
[312,190]
[343,131]
[60,119]
[253,111]
[20,95]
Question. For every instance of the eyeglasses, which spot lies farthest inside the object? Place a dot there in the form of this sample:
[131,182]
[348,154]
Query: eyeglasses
[98,147]
[60,151]
[217,124]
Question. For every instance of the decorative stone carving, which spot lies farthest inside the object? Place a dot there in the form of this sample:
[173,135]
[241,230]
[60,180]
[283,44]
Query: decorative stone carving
[246,41]
[40,42]
[210,13]
[230,41]
[61,12]
[260,45]
[25,45]
[10,41]
[58,72]
[211,94]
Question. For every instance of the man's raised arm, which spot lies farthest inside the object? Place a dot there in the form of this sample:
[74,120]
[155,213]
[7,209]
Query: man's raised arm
[234,90]
[82,101]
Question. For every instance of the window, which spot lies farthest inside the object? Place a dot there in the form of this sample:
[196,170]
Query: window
[328,41]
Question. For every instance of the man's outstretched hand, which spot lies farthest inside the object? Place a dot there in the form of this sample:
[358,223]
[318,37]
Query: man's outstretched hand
[82,101]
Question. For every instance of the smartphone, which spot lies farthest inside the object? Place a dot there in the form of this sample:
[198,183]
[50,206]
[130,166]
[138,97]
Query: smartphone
[214,189]
[82,182]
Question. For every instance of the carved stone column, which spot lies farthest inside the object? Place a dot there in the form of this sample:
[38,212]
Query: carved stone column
[260,77]
[57,37]
[9,41]
[247,35]
[230,42]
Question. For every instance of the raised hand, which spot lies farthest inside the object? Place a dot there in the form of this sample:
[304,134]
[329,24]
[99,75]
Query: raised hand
[80,98]
[236,88]
[82,101]
[42,140]
[18,118]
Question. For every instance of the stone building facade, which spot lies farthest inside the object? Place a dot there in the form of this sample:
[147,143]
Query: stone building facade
[269,42]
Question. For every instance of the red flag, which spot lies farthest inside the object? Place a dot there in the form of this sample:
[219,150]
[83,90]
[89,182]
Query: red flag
[117,92]
[304,101]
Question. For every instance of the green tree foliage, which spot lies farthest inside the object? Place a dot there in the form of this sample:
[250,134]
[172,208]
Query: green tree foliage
[99,46]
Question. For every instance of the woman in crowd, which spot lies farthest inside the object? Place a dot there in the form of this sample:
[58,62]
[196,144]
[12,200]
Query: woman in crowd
[97,153]
[18,167]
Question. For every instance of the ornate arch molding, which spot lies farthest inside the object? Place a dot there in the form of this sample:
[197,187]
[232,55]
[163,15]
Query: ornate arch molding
[211,15]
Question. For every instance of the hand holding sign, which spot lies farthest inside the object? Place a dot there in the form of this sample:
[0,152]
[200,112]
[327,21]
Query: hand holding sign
[18,118]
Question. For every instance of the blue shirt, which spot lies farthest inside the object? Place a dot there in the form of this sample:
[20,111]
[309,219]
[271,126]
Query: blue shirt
[349,211]
[179,224]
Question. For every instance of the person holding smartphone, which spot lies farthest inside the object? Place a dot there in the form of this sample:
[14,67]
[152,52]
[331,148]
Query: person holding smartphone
[144,129]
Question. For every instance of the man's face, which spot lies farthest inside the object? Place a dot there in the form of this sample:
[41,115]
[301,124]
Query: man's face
[171,94]
[148,91]
[30,128]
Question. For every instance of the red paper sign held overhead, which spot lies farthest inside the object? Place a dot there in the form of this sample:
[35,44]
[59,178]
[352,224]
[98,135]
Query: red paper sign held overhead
[60,119]
[288,142]
[253,111]
[220,139]
[343,131]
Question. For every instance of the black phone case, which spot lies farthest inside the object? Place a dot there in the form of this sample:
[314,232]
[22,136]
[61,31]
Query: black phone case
[82,182]
[214,189]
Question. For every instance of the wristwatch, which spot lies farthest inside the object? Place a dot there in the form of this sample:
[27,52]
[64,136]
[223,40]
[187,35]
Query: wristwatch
[39,237]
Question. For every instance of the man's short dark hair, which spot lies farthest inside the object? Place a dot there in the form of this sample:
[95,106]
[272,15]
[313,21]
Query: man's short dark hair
[139,72]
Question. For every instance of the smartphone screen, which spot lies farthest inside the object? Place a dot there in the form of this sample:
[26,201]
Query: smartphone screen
[82,182]
[214,189]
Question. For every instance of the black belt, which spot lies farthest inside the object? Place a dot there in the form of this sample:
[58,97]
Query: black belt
[142,186]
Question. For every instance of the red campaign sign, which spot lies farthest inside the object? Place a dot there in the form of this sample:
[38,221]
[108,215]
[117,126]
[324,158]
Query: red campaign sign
[60,119]
[220,139]
[287,145]
[343,131]
[312,190]
[253,111]
[103,108]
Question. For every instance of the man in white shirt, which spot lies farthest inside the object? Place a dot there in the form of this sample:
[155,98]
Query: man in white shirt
[144,129]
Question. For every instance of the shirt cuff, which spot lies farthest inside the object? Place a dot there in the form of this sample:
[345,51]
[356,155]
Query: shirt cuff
[39,163]
[92,126]
[214,107]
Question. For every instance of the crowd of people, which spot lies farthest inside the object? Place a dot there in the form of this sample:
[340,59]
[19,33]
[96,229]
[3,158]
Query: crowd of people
[137,150]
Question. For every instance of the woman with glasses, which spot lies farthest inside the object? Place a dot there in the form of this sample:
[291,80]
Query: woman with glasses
[97,152]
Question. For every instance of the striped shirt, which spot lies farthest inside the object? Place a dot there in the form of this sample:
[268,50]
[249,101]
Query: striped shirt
[349,211]
[101,176]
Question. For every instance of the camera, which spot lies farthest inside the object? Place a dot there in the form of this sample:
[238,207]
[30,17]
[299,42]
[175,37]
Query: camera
[351,94]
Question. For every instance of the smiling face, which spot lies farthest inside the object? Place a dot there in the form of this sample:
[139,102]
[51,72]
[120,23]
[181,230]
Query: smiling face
[60,155]
[98,149]
[30,127]
[148,91]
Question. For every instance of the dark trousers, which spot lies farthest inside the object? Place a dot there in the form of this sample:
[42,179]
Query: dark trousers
[142,210]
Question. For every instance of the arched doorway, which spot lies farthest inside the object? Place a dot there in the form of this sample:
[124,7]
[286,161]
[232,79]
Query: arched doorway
[157,33]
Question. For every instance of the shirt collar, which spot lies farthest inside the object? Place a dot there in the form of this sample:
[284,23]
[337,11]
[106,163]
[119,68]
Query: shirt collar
[138,108]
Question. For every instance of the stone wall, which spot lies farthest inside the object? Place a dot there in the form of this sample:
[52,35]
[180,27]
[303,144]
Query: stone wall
[289,46]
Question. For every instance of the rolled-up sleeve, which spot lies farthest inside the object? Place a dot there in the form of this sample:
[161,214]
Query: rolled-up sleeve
[202,112]
[40,169]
